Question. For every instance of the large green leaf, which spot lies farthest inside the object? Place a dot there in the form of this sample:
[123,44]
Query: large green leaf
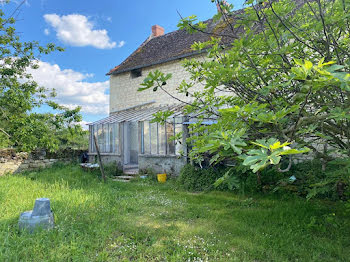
[257,159]
[294,151]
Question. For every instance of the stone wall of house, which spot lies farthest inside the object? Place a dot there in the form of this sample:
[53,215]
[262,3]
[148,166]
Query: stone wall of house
[158,163]
[123,88]
[107,158]
[124,94]
[162,164]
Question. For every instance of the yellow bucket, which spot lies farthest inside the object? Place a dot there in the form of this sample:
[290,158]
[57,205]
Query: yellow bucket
[161,178]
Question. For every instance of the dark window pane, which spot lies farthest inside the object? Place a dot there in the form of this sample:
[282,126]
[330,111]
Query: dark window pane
[136,73]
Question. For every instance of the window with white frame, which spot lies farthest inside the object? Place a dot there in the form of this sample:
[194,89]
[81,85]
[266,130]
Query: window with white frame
[108,138]
[155,138]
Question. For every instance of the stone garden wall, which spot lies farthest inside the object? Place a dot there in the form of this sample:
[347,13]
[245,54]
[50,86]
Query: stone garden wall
[12,162]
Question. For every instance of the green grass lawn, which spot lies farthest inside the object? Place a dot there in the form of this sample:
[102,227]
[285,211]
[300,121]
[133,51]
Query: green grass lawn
[146,221]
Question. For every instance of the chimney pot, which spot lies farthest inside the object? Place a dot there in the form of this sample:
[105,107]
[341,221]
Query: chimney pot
[157,30]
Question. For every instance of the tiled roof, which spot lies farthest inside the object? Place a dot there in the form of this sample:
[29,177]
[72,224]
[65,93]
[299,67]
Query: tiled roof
[173,46]
[177,44]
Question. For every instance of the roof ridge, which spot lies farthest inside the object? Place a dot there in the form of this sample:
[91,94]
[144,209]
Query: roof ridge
[171,46]
[149,39]
[130,56]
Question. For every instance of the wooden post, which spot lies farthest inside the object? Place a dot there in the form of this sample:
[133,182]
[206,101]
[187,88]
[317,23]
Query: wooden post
[99,159]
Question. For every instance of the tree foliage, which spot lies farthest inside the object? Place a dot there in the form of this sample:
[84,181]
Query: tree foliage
[278,87]
[20,96]
[74,137]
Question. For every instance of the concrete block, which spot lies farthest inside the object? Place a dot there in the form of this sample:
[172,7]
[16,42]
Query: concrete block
[40,217]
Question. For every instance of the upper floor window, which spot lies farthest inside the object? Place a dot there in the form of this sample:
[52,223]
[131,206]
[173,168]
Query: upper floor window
[136,73]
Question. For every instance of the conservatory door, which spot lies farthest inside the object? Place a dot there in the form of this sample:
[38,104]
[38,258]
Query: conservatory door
[130,142]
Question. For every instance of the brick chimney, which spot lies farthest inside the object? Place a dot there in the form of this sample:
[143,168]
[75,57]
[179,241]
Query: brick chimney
[157,30]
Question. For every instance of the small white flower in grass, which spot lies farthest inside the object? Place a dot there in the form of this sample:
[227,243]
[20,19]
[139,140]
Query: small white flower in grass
[286,148]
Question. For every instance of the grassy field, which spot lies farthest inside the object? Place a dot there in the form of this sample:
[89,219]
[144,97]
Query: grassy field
[146,221]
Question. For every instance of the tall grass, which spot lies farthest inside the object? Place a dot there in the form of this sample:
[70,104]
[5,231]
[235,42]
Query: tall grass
[146,221]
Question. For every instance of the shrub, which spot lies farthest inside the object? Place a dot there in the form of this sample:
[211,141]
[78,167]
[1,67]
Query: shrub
[306,179]
[311,181]
[237,178]
[200,179]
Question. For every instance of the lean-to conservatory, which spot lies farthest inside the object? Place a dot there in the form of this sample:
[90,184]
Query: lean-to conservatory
[130,138]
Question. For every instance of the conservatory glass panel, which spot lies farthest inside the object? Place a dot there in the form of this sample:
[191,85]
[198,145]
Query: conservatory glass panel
[91,142]
[178,143]
[141,138]
[111,129]
[116,138]
[154,138]
[162,139]
[146,138]
[170,132]
[178,120]
[106,138]
[94,128]
[100,137]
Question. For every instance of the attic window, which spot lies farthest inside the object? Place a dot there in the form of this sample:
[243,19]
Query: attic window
[136,73]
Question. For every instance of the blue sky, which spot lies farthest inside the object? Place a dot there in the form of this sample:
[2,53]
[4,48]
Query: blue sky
[96,35]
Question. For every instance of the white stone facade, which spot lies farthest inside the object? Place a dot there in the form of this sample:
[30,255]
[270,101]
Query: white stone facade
[124,94]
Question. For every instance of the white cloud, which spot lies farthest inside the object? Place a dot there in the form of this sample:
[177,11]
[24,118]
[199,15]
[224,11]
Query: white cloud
[83,124]
[46,31]
[72,89]
[77,30]
[121,44]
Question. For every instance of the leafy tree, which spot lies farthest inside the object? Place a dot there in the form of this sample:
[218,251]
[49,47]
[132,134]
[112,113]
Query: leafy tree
[20,125]
[73,137]
[275,79]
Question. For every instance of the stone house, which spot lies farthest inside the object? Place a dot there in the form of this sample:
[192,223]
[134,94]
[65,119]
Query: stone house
[127,136]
